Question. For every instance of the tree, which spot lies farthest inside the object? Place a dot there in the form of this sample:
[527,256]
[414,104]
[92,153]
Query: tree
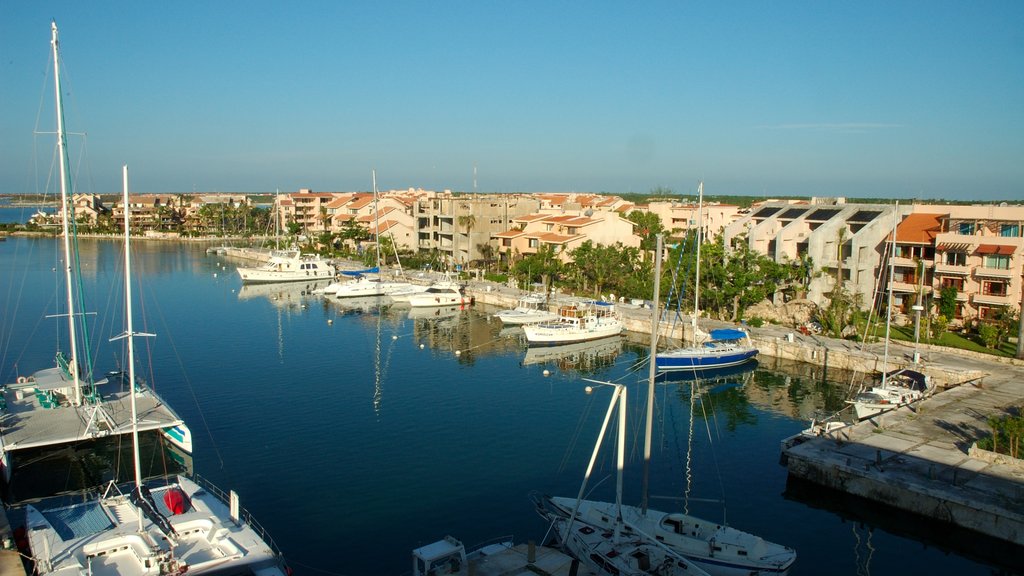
[467,221]
[543,265]
[646,225]
[487,251]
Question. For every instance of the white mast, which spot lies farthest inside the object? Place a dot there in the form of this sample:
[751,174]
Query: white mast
[66,214]
[376,219]
[130,334]
[888,306]
[652,373]
[699,237]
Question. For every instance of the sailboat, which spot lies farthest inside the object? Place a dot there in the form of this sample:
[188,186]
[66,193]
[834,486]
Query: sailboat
[370,284]
[608,544]
[173,527]
[712,547]
[899,387]
[720,348]
[67,403]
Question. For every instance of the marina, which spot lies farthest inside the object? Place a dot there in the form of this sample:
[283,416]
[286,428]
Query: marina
[401,402]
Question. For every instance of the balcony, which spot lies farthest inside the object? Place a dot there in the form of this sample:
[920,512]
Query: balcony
[993,273]
[904,287]
[992,300]
[952,270]
[906,262]
[961,296]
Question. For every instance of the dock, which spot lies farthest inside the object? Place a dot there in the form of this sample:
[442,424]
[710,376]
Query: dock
[922,458]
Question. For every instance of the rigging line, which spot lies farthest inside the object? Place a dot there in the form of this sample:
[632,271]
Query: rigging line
[688,474]
[714,454]
[188,384]
[575,436]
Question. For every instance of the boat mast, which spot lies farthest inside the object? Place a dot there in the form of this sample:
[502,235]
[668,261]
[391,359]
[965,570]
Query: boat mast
[66,213]
[277,219]
[652,372]
[130,334]
[888,306]
[699,238]
[376,218]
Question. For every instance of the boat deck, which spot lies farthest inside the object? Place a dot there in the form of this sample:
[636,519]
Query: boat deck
[30,419]
[515,562]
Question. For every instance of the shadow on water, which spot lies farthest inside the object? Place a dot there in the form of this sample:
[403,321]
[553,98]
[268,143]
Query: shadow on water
[1006,557]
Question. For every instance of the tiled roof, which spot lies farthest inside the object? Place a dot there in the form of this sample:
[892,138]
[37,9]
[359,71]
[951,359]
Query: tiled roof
[919,228]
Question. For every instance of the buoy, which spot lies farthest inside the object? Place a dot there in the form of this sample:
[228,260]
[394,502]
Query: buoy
[421,346]
[329,321]
[547,372]
[458,352]
[214,274]
[589,389]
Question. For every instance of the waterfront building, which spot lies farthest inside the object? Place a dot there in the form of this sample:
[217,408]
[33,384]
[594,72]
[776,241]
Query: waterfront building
[679,216]
[565,232]
[458,225]
[975,249]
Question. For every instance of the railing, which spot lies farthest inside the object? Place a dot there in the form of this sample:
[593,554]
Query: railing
[245,515]
[993,299]
[993,272]
[952,270]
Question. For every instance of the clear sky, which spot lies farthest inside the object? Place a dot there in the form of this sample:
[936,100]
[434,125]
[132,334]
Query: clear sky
[891,99]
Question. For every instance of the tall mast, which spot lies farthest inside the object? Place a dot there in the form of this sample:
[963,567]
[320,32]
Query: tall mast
[376,219]
[700,238]
[652,369]
[888,306]
[277,219]
[130,334]
[66,213]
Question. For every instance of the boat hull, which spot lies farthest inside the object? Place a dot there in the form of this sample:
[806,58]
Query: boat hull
[258,276]
[698,359]
[553,334]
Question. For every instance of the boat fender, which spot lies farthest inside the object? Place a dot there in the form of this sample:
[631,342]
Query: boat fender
[22,380]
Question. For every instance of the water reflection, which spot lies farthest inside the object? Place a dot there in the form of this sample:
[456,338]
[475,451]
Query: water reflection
[583,357]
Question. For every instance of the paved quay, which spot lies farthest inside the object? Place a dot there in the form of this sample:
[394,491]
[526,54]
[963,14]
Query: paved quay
[918,459]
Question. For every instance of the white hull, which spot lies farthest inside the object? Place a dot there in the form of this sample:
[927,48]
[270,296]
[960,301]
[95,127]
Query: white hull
[207,538]
[736,553]
[559,333]
[369,287]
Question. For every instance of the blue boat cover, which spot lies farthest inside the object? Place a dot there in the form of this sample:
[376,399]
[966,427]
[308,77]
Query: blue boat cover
[728,334]
[373,270]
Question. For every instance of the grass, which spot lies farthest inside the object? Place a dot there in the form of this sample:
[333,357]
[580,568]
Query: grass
[949,340]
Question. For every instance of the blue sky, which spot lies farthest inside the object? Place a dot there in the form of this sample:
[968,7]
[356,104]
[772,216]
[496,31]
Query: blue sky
[879,99]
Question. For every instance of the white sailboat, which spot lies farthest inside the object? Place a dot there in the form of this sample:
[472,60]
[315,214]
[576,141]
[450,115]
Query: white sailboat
[369,284]
[171,528]
[895,388]
[608,544]
[576,323]
[720,348]
[714,548]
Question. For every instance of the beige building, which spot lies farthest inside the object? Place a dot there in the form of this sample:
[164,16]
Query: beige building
[457,226]
[564,233]
[681,216]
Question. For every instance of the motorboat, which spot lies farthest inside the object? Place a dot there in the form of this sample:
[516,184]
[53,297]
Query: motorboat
[288,266]
[576,323]
[530,309]
[445,292]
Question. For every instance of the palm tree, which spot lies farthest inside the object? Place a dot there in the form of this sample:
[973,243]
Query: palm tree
[467,221]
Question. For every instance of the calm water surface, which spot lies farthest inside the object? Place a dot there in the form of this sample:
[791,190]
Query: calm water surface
[355,433]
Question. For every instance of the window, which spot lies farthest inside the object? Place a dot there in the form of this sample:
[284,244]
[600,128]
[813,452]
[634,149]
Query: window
[506,241]
[997,261]
[956,258]
[548,227]
[957,283]
[1010,230]
[534,242]
[987,312]
[993,288]
[967,228]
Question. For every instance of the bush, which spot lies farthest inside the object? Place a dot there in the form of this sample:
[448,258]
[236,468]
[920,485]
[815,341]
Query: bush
[499,278]
[756,322]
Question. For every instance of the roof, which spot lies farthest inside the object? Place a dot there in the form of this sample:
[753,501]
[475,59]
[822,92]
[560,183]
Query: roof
[995,249]
[514,233]
[919,228]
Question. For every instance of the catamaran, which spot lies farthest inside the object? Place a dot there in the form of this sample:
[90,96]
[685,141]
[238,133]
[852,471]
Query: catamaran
[171,527]
[67,402]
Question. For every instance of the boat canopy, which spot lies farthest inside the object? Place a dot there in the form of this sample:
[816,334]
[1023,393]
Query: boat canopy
[910,378]
[728,334]
[374,270]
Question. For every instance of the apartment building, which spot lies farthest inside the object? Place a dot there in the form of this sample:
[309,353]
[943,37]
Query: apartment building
[979,250]
[680,216]
[564,233]
[843,241]
[457,226]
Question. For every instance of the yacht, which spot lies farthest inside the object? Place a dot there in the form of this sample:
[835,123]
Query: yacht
[288,266]
[576,323]
[530,309]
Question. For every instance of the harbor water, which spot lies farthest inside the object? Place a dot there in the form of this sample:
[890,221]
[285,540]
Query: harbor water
[355,432]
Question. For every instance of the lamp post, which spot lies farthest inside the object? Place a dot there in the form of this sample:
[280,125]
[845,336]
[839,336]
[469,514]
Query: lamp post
[917,308]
